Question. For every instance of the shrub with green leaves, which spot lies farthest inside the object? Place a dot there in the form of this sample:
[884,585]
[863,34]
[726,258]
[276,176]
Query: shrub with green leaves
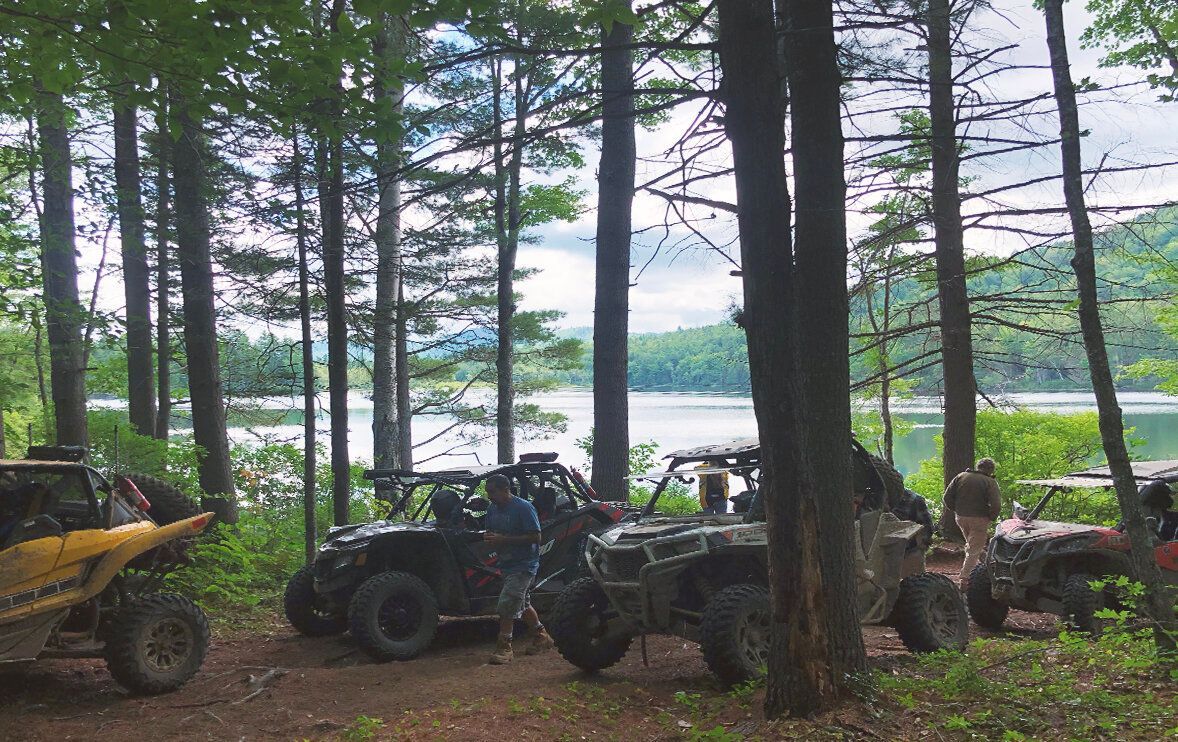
[1034,445]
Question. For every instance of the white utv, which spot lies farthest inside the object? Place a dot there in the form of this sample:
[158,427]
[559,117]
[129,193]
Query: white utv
[704,577]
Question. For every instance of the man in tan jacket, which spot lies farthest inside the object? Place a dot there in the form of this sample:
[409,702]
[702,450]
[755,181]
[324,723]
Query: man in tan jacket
[974,498]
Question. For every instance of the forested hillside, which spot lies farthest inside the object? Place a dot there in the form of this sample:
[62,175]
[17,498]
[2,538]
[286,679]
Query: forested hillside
[1035,346]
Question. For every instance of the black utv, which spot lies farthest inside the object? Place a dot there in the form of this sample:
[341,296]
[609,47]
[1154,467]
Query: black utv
[388,581]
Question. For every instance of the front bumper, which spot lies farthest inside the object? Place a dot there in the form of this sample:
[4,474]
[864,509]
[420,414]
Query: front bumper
[640,579]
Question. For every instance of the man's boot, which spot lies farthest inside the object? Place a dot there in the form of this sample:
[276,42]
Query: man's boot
[539,641]
[502,654]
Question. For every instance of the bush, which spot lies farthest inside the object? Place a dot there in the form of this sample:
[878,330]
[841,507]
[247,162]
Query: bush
[1033,445]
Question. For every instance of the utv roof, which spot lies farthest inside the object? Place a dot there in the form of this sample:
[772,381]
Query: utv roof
[1100,476]
[717,450]
[462,474]
[36,464]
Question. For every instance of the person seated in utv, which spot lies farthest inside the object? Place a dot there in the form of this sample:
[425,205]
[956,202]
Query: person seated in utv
[447,507]
[18,504]
[713,489]
[1158,500]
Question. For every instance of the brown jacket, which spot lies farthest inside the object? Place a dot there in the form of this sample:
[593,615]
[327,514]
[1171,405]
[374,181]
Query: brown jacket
[974,495]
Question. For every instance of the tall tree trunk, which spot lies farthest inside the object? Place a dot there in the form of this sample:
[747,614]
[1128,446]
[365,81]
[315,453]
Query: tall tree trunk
[59,271]
[386,430]
[611,305]
[3,441]
[39,361]
[136,280]
[404,401]
[200,325]
[507,224]
[1159,606]
[307,347]
[960,387]
[822,311]
[335,290]
[754,118]
[163,299]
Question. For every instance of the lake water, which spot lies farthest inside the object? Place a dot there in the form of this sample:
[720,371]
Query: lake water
[676,420]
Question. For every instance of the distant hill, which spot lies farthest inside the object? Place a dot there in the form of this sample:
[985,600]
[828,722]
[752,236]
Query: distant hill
[1009,359]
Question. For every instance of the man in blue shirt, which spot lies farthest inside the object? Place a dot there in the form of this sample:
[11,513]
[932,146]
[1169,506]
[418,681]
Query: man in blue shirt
[514,530]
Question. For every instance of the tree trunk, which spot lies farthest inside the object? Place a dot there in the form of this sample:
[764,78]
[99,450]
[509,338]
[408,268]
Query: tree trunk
[163,299]
[799,670]
[386,430]
[3,442]
[334,266]
[1159,606]
[404,401]
[200,324]
[307,347]
[136,281]
[507,223]
[960,387]
[59,272]
[615,199]
[823,312]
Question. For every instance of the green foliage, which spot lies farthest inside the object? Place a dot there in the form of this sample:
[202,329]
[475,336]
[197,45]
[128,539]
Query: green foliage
[1114,687]
[1033,445]
[1137,33]
[362,729]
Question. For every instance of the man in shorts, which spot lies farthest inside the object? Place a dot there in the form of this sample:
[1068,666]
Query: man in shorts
[514,529]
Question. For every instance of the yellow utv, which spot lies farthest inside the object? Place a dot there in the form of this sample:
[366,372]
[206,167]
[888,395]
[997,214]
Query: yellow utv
[80,565]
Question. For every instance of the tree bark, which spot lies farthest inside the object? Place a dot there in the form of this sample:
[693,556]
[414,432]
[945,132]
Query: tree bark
[386,429]
[308,358]
[823,312]
[1159,606]
[200,325]
[507,225]
[163,285]
[611,306]
[334,267]
[404,401]
[960,387]
[136,281]
[59,271]
[800,673]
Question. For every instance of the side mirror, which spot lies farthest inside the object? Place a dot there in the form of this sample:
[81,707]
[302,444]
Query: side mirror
[1020,512]
[477,505]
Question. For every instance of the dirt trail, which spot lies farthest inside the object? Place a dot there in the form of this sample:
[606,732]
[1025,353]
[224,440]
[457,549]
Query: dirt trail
[328,684]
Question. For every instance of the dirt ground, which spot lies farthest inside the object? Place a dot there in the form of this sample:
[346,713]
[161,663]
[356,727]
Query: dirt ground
[327,689]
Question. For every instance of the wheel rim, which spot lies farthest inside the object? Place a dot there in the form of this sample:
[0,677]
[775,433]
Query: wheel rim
[399,617]
[167,644]
[752,638]
[944,618]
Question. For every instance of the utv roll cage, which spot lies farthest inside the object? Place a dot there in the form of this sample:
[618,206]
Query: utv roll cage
[400,487]
[1099,477]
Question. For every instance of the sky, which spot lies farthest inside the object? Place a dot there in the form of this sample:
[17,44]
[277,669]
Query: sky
[693,287]
[677,282]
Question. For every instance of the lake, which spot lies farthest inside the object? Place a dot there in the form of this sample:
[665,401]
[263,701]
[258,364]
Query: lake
[676,420]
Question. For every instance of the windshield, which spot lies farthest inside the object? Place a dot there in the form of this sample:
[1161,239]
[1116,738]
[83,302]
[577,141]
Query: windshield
[63,494]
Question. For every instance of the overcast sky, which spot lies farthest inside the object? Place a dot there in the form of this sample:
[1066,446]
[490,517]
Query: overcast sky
[693,287]
[678,282]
